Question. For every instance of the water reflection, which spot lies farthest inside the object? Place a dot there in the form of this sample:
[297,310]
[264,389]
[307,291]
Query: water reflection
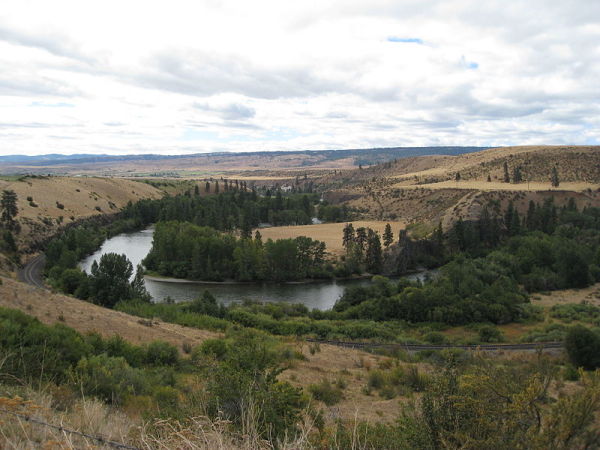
[320,295]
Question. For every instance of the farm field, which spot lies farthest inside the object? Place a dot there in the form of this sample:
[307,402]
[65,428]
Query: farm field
[330,233]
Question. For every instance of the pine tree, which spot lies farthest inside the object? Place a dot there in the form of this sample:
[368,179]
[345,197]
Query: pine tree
[506,175]
[374,256]
[348,236]
[489,178]
[258,237]
[388,236]
[361,238]
[517,176]
[457,177]
[138,286]
[216,187]
[207,187]
[554,178]
[8,204]
[196,190]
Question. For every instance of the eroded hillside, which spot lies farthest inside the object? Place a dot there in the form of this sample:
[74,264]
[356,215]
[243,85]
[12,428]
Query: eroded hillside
[434,188]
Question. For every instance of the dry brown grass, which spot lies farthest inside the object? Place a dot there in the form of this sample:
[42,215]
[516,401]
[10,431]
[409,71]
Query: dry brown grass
[330,233]
[88,416]
[589,295]
[80,196]
[482,185]
[64,199]
[86,317]
[331,362]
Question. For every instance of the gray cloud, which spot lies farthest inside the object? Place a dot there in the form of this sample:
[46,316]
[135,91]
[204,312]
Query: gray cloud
[56,44]
[203,74]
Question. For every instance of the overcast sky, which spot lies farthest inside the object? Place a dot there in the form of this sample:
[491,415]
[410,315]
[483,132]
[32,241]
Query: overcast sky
[195,76]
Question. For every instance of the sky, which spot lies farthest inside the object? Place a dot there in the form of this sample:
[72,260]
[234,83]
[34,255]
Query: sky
[125,77]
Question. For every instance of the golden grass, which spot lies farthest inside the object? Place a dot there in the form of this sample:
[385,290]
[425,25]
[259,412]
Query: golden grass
[330,233]
[480,185]
[79,196]
[86,317]
[590,295]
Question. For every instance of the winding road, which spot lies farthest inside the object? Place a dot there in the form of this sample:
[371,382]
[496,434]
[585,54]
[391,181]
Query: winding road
[32,274]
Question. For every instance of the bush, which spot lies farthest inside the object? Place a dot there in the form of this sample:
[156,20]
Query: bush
[583,347]
[489,333]
[160,353]
[216,348]
[435,338]
[326,392]
[108,378]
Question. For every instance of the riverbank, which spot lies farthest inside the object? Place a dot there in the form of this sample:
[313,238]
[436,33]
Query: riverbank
[159,278]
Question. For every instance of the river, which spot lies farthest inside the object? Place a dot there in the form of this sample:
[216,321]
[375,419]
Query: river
[321,295]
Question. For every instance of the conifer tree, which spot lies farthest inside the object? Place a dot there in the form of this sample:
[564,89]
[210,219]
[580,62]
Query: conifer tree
[506,174]
[348,236]
[374,257]
[517,176]
[8,204]
[361,238]
[388,236]
[554,178]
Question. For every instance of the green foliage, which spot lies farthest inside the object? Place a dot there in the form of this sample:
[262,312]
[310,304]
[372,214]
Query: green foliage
[326,392]
[159,353]
[184,250]
[583,347]
[245,380]
[8,208]
[109,280]
[109,378]
[489,333]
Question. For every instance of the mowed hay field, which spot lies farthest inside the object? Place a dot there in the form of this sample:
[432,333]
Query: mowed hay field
[330,233]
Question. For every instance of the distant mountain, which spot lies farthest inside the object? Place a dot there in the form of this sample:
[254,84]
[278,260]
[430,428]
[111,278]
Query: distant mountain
[362,156]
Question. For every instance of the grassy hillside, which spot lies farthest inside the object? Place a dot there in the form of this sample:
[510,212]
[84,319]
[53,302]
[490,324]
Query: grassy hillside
[46,203]
[426,188]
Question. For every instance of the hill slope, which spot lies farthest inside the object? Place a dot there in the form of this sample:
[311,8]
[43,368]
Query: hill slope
[57,201]
[425,188]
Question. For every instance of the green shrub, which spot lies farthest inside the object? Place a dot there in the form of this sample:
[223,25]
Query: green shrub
[108,378]
[583,347]
[489,333]
[326,392]
[160,353]
[216,348]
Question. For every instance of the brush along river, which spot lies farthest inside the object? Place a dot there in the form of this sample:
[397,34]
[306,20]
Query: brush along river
[319,294]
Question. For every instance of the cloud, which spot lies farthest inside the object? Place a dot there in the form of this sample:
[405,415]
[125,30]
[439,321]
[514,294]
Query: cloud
[54,43]
[231,111]
[263,75]
[405,40]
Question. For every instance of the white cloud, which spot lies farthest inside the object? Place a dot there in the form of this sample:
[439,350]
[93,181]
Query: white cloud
[187,76]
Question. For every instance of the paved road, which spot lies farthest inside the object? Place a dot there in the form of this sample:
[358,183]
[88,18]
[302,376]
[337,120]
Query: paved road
[420,347]
[32,272]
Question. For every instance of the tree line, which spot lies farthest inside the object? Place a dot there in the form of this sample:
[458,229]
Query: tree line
[185,250]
